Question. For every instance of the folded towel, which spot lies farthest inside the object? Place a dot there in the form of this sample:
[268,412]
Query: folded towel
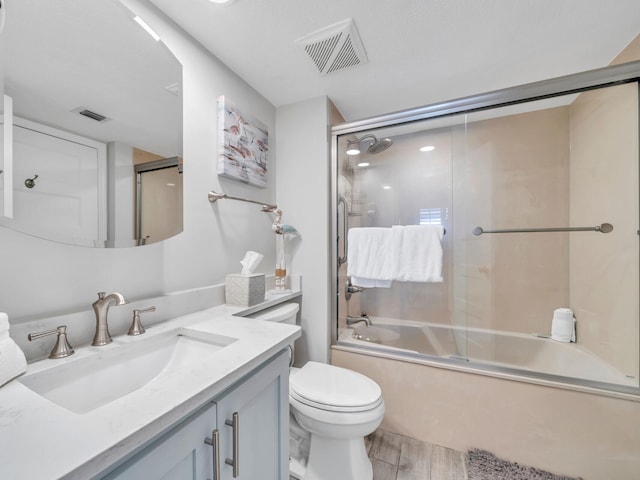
[370,257]
[563,325]
[12,360]
[418,253]
[370,282]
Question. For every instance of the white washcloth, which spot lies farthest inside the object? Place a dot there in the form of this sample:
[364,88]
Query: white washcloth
[563,325]
[418,253]
[370,257]
[12,361]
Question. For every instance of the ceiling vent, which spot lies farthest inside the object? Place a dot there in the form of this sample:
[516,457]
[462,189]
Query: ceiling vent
[334,48]
[90,114]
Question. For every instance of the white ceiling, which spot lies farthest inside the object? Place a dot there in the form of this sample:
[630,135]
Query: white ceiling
[63,55]
[419,51]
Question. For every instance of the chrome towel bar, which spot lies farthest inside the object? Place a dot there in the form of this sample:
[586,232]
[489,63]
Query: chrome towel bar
[603,228]
[215,196]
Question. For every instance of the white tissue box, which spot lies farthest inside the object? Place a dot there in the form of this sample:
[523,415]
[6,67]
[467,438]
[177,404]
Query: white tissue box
[245,290]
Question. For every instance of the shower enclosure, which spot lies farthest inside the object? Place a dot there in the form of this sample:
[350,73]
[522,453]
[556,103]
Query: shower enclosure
[536,190]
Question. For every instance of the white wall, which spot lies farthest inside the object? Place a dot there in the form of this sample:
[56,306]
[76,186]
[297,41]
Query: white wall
[303,194]
[41,278]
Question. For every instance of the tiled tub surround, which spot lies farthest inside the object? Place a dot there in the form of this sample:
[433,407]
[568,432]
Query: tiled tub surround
[73,446]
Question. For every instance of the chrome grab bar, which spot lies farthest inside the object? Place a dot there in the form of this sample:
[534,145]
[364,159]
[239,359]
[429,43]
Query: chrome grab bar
[345,226]
[603,228]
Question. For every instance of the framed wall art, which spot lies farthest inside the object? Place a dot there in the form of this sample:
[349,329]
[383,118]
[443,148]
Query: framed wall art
[243,145]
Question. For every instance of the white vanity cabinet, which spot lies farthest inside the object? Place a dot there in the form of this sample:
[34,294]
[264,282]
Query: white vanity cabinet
[247,427]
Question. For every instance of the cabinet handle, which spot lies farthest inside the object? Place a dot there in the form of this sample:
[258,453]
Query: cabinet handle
[235,462]
[214,441]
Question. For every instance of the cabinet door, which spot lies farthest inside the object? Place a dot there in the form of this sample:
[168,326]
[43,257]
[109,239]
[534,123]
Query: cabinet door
[181,454]
[261,408]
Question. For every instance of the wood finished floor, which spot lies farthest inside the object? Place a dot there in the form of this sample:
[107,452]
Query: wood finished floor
[396,457]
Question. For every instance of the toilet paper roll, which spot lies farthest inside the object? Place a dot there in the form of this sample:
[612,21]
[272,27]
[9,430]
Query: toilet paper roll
[563,325]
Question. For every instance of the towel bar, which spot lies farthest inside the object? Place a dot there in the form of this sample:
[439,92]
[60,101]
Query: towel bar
[215,196]
[603,228]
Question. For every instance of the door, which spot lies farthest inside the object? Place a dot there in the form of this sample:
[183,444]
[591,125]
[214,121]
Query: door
[58,190]
[159,200]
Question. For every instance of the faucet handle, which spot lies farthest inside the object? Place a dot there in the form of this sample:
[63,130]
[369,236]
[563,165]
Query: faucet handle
[136,325]
[62,348]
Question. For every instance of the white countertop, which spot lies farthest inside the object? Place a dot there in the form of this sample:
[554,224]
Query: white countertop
[41,440]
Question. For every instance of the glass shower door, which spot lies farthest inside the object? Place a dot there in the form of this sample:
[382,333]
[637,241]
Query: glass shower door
[404,187]
[540,203]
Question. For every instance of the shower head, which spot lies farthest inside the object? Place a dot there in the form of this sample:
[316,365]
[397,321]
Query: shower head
[380,145]
[377,146]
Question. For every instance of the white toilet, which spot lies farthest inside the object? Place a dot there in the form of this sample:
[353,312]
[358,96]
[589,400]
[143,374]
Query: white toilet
[337,406]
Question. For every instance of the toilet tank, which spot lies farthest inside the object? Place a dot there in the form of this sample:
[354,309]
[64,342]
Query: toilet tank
[285,313]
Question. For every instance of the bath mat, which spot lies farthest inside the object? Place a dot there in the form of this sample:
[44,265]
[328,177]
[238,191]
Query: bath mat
[482,465]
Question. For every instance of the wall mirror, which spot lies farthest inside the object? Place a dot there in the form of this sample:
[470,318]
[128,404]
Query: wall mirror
[94,96]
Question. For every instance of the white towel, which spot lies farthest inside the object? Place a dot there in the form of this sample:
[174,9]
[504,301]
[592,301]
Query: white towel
[369,282]
[12,361]
[417,253]
[370,257]
[563,325]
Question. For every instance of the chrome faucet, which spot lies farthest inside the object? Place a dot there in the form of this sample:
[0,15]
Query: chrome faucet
[101,309]
[362,318]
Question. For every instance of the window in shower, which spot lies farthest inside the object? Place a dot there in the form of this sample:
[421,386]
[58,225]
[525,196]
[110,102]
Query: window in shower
[433,216]
[522,171]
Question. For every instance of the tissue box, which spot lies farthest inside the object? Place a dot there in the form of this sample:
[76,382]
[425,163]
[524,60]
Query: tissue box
[245,290]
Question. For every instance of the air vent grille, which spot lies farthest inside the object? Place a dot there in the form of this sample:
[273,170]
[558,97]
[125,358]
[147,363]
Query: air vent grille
[334,48]
[85,112]
[347,57]
[320,52]
[93,115]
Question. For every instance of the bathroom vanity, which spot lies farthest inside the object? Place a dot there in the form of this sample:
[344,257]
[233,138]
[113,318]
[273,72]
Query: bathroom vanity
[210,394]
[237,434]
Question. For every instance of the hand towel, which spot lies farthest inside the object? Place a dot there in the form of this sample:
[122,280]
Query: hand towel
[563,325]
[370,257]
[417,253]
[12,360]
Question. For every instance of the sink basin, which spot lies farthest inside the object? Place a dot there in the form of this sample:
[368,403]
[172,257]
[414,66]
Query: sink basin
[84,384]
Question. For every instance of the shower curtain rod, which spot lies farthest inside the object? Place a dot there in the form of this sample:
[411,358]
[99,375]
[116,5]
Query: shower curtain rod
[215,196]
[603,228]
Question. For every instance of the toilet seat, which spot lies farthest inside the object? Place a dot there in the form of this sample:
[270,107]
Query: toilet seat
[334,389]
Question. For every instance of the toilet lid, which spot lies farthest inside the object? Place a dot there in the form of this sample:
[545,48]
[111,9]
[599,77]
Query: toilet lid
[334,388]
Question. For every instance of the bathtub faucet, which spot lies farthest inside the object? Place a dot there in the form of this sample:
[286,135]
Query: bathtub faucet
[362,318]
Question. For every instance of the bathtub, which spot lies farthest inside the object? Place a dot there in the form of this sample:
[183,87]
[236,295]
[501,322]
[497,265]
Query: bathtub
[512,352]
